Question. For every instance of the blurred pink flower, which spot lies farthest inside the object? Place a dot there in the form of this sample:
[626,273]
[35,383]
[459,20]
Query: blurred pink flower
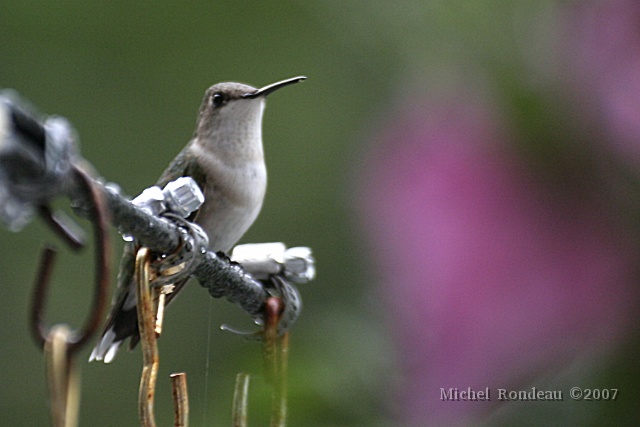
[602,52]
[492,277]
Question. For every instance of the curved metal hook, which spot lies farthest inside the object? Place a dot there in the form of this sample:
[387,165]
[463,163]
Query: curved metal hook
[65,230]
[101,288]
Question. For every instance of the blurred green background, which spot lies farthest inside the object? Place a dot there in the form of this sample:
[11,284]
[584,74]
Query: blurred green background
[130,77]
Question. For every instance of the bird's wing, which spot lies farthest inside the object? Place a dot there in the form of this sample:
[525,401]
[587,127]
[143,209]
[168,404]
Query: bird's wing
[194,171]
[123,319]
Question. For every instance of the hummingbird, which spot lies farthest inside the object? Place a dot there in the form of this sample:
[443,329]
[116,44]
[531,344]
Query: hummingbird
[225,157]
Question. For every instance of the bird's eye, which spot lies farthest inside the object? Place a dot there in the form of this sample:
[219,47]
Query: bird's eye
[218,99]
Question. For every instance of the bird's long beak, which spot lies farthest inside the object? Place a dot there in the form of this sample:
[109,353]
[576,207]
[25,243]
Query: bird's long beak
[264,91]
